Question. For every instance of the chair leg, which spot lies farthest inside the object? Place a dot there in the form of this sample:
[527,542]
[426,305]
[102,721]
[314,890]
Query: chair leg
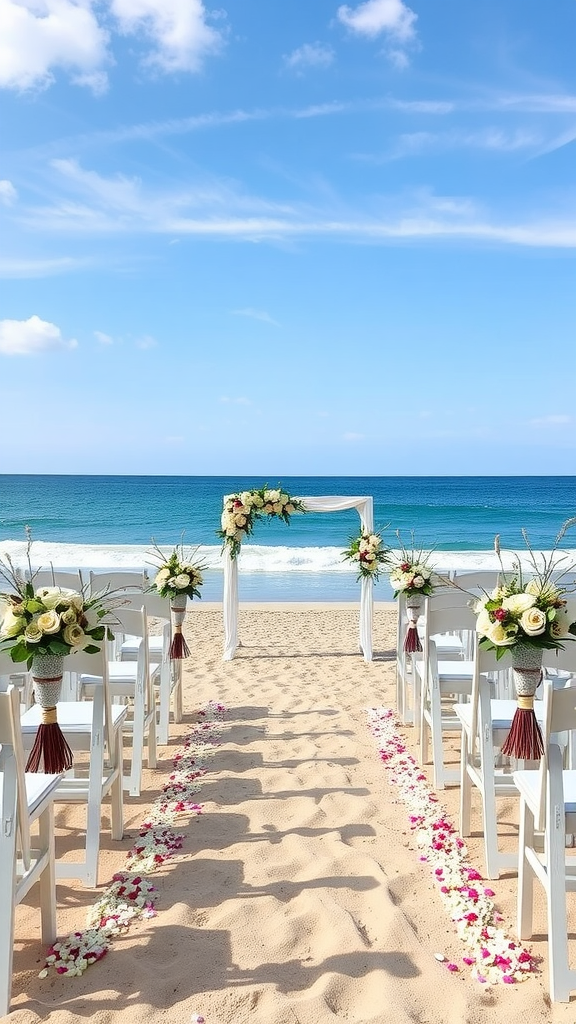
[177,693]
[151,759]
[465,787]
[525,909]
[437,745]
[116,792]
[47,878]
[562,980]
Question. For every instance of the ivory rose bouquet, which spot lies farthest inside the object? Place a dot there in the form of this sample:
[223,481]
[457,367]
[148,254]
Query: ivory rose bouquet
[177,575]
[243,510]
[411,573]
[530,607]
[50,620]
[369,554]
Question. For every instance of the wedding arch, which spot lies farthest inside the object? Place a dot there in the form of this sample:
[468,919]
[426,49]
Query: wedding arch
[331,503]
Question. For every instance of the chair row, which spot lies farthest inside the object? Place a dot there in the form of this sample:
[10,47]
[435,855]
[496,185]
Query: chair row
[468,692]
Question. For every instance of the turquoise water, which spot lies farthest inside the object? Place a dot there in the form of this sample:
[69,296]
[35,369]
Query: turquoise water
[102,522]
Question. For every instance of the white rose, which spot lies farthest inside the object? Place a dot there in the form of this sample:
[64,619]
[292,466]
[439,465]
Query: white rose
[272,496]
[499,636]
[240,520]
[161,576]
[374,540]
[418,581]
[12,625]
[516,604]
[181,581]
[48,622]
[231,530]
[547,592]
[68,616]
[533,621]
[49,596]
[246,498]
[257,501]
[483,622]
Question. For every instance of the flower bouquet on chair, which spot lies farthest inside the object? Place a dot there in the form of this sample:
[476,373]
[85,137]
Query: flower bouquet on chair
[413,576]
[368,553]
[177,578]
[527,613]
[41,626]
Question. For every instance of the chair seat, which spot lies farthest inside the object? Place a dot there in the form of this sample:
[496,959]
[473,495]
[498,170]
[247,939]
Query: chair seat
[39,789]
[130,646]
[503,712]
[73,716]
[450,671]
[527,782]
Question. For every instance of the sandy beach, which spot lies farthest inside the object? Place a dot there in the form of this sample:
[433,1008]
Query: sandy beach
[298,896]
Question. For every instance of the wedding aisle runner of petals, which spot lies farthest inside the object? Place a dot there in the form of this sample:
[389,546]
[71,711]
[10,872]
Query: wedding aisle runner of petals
[492,956]
[130,894]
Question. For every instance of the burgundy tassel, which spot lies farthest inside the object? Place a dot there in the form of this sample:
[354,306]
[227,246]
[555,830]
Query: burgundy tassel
[50,747]
[524,741]
[412,639]
[178,648]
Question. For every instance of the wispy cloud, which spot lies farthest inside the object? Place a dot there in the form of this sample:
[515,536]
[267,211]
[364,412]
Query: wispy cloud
[8,194]
[256,314]
[490,139]
[554,420]
[309,55]
[107,206]
[352,436]
[241,400]
[103,339]
[145,342]
[31,337]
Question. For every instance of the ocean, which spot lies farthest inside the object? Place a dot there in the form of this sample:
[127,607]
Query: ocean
[104,522]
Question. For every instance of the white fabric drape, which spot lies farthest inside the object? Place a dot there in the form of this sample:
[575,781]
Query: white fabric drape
[329,503]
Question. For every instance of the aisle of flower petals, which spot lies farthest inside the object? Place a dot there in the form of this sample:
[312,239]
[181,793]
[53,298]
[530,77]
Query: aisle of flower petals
[492,957]
[130,894]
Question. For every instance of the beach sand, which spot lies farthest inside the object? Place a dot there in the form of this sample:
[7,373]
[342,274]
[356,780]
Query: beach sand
[298,897]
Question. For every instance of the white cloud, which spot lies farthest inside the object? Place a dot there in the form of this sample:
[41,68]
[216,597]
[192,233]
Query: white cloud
[373,17]
[146,342]
[103,339]
[241,400]
[256,314]
[554,420]
[24,268]
[310,55]
[351,436]
[178,30]
[8,194]
[29,337]
[39,37]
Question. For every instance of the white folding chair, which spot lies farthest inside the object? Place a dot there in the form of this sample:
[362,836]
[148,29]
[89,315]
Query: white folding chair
[441,680]
[448,647]
[132,684]
[168,676]
[548,804]
[25,798]
[486,722]
[69,579]
[95,727]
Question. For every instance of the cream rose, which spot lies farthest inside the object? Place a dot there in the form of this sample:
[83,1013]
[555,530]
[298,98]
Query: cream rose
[533,621]
[181,581]
[516,604]
[68,616]
[12,625]
[74,635]
[240,520]
[32,635]
[546,591]
[483,622]
[418,581]
[48,622]
[161,576]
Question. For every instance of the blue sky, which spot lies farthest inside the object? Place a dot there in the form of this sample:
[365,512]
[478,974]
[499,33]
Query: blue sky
[280,238]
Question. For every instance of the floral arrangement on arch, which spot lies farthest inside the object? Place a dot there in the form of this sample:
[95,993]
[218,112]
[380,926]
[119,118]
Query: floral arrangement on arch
[243,510]
[369,554]
[528,612]
[178,577]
